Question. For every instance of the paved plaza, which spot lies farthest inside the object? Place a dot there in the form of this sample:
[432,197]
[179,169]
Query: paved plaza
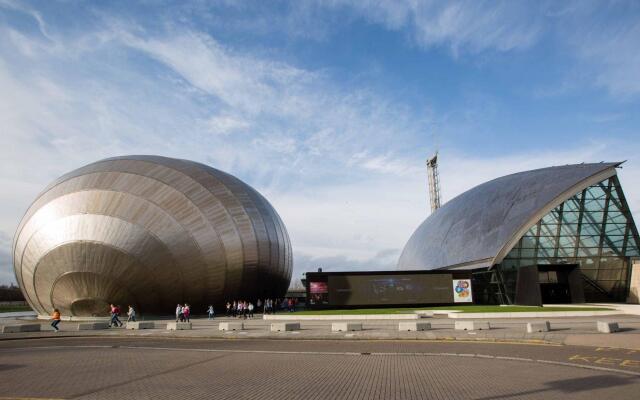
[564,330]
[569,362]
[153,368]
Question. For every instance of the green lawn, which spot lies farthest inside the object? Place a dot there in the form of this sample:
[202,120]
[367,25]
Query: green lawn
[465,309]
[14,308]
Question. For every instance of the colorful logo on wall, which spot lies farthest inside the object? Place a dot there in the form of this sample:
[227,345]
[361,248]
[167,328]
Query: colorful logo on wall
[462,291]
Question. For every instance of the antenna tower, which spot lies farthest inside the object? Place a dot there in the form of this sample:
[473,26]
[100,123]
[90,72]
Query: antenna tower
[434,182]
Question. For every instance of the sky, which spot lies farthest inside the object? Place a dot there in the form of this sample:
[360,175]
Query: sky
[328,108]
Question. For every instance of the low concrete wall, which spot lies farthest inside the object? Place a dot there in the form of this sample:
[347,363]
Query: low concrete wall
[542,314]
[356,317]
[285,326]
[345,327]
[21,328]
[91,326]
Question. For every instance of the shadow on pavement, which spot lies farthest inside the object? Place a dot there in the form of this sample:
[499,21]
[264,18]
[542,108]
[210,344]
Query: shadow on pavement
[575,385]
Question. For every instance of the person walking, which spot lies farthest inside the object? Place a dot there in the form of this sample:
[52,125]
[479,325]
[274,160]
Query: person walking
[131,314]
[250,306]
[234,309]
[211,312]
[228,309]
[186,312]
[55,319]
[178,313]
[115,321]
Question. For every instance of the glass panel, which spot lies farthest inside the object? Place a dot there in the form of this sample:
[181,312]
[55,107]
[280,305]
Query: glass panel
[527,253]
[594,205]
[551,218]
[572,204]
[567,242]
[566,252]
[533,231]
[589,241]
[570,217]
[587,252]
[609,274]
[569,230]
[595,192]
[590,273]
[590,229]
[614,205]
[615,229]
[528,242]
[608,250]
[632,251]
[611,262]
[589,262]
[548,230]
[527,261]
[593,217]
[547,242]
[615,217]
[614,241]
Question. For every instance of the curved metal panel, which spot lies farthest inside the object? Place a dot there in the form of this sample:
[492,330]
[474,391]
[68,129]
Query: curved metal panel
[151,231]
[478,225]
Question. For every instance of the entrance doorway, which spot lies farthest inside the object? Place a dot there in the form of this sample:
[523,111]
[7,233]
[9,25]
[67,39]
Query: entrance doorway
[549,284]
[554,285]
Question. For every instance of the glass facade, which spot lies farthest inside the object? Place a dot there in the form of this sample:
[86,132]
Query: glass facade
[593,229]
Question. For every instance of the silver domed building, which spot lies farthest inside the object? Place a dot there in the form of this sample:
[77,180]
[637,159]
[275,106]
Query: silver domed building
[152,232]
[567,228]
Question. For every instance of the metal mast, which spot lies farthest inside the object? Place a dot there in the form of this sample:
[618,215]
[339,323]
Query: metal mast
[434,182]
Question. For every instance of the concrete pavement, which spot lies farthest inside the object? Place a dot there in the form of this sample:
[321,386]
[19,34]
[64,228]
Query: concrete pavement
[155,368]
[567,330]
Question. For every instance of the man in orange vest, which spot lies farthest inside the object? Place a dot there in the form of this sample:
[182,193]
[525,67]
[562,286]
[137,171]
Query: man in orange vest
[56,319]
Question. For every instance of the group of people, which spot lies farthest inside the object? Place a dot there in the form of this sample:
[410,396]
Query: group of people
[240,309]
[115,315]
[237,308]
[183,313]
[114,310]
[245,309]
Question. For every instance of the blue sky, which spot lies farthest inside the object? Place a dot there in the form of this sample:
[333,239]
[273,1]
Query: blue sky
[329,108]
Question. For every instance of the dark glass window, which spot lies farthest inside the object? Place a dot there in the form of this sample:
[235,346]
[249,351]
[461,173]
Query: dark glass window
[597,233]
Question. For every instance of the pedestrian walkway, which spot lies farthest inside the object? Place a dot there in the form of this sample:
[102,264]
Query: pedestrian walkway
[574,330]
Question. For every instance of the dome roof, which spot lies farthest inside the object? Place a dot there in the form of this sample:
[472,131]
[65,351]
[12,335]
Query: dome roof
[478,228]
[149,231]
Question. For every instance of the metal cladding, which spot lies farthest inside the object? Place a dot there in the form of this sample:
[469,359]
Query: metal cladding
[151,232]
[477,228]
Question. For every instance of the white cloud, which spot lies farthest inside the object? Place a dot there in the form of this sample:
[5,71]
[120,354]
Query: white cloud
[612,53]
[460,25]
[339,164]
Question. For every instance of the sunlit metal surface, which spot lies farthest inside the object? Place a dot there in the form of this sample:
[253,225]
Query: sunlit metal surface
[149,231]
[477,228]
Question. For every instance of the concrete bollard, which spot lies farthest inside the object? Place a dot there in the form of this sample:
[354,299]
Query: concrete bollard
[345,326]
[414,326]
[140,325]
[178,326]
[607,327]
[424,313]
[472,325]
[230,326]
[21,328]
[285,326]
[538,327]
[92,326]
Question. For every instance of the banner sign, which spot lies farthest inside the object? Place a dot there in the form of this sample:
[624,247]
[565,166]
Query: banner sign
[462,291]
